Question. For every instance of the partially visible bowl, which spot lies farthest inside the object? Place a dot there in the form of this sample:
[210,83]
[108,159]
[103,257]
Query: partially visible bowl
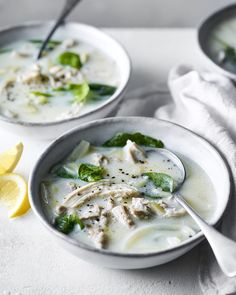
[88,34]
[176,138]
[205,31]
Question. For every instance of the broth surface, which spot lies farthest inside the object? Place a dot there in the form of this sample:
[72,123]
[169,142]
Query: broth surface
[46,90]
[221,44]
[161,225]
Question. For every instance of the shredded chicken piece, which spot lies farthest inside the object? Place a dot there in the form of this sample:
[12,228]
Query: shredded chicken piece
[98,236]
[7,83]
[100,159]
[157,207]
[122,214]
[35,67]
[84,56]
[55,84]
[102,188]
[74,111]
[173,212]
[162,204]
[133,152]
[55,69]
[103,220]
[17,54]
[110,204]
[68,43]
[139,208]
[32,75]
[73,186]
[91,212]
[60,76]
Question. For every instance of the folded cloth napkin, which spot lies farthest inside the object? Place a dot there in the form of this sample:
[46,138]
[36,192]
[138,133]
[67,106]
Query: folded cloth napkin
[206,104]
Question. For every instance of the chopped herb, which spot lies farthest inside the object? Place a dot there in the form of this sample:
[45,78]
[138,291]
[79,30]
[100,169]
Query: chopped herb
[79,91]
[162,180]
[71,59]
[52,44]
[38,93]
[230,54]
[66,223]
[40,41]
[229,51]
[90,173]
[5,50]
[102,89]
[60,89]
[120,139]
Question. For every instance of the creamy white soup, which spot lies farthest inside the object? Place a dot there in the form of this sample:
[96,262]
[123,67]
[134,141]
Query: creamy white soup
[118,196]
[71,79]
[222,44]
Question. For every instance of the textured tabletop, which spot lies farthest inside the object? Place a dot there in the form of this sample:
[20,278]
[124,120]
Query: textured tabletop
[31,261]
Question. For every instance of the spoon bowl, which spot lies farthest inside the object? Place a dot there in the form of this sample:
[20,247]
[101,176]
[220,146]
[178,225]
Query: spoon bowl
[176,161]
[223,248]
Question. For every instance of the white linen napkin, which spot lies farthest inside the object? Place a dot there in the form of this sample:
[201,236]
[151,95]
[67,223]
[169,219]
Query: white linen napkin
[205,103]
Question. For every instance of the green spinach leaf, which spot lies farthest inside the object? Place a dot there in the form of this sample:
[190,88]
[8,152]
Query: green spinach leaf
[38,93]
[162,180]
[102,89]
[120,140]
[87,92]
[40,41]
[66,223]
[230,54]
[80,91]
[71,59]
[52,44]
[229,51]
[90,173]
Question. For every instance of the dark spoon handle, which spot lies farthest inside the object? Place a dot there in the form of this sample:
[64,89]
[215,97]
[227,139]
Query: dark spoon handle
[69,5]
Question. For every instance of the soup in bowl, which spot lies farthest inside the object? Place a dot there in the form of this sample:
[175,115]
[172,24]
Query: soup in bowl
[112,197]
[81,75]
[216,40]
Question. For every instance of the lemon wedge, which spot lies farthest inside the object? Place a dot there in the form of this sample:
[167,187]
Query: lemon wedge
[10,158]
[13,194]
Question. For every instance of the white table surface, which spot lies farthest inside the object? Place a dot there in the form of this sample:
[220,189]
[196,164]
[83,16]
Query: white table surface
[31,262]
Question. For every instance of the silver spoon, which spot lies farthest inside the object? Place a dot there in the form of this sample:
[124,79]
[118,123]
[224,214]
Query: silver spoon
[69,5]
[223,248]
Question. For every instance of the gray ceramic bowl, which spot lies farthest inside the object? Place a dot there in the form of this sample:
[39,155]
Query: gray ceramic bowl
[203,34]
[88,34]
[175,138]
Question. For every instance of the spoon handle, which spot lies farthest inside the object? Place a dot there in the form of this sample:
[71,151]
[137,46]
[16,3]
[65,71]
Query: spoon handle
[69,5]
[223,248]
